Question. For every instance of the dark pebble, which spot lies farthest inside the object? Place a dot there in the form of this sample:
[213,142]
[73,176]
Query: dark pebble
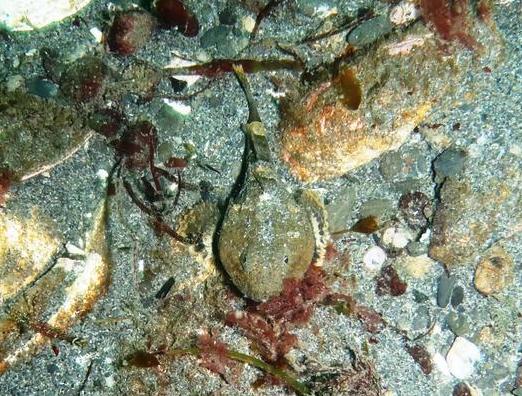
[458,323]
[449,163]
[461,389]
[390,283]
[43,88]
[444,290]
[216,36]
[228,16]
[369,31]
[130,31]
[422,357]
[457,296]
[419,297]
[415,207]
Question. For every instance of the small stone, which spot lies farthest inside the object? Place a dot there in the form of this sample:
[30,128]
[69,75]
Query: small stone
[228,16]
[494,271]
[396,237]
[449,164]
[130,31]
[374,258]
[43,88]
[174,14]
[340,209]
[419,297]
[464,389]
[417,266]
[422,357]
[390,283]
[416,209]
[369,31]
[383,209]
[217,35]
[444,290]
[457,296]
[458,323]
[416,248]
[461,358]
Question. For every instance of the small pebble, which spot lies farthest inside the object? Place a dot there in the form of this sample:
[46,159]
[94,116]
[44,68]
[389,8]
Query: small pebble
[464,389]
[396,237]
[130,31]
[419,297]
[417,266]
[216,36]
[494,271]
[416,209]
[458,323]
[416,248]
[461,358]
[390,283]
[374,258]
[444,290]
[449,163]
[43,88]
[457,296]
[370,31]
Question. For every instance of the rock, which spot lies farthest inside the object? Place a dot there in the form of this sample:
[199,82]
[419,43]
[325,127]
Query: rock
[174,14]
[494,271]
[43,88]
[23,15]
[416,209]
[390,283]
[216,36]
[417,266]
[395,238]
[470,213]
[340,124]
[374,258]
[465,389]
[457,296]
[369,31]
[37,134]
[383,209]
[458,323]
[416,248]
[449,164]
[461,358]
[130,30]
[407,162]
[340,209]
[444,290]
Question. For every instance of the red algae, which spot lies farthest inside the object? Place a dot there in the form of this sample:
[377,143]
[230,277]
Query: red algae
[214,354]
[5,184]
[449,19]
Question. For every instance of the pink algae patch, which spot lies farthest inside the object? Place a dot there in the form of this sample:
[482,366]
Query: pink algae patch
[449,19]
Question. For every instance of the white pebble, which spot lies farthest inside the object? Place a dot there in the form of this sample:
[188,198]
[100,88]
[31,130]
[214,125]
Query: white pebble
[374,258]
[461,358]
[404,12]
[396,237]
[178,107]
[97,34]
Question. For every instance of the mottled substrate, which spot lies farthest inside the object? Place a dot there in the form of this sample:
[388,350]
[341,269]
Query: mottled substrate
[131,318]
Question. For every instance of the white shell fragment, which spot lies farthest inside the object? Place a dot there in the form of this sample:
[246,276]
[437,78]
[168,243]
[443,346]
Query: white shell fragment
[404,12]
[374,258]
[36,14]
[461,358]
